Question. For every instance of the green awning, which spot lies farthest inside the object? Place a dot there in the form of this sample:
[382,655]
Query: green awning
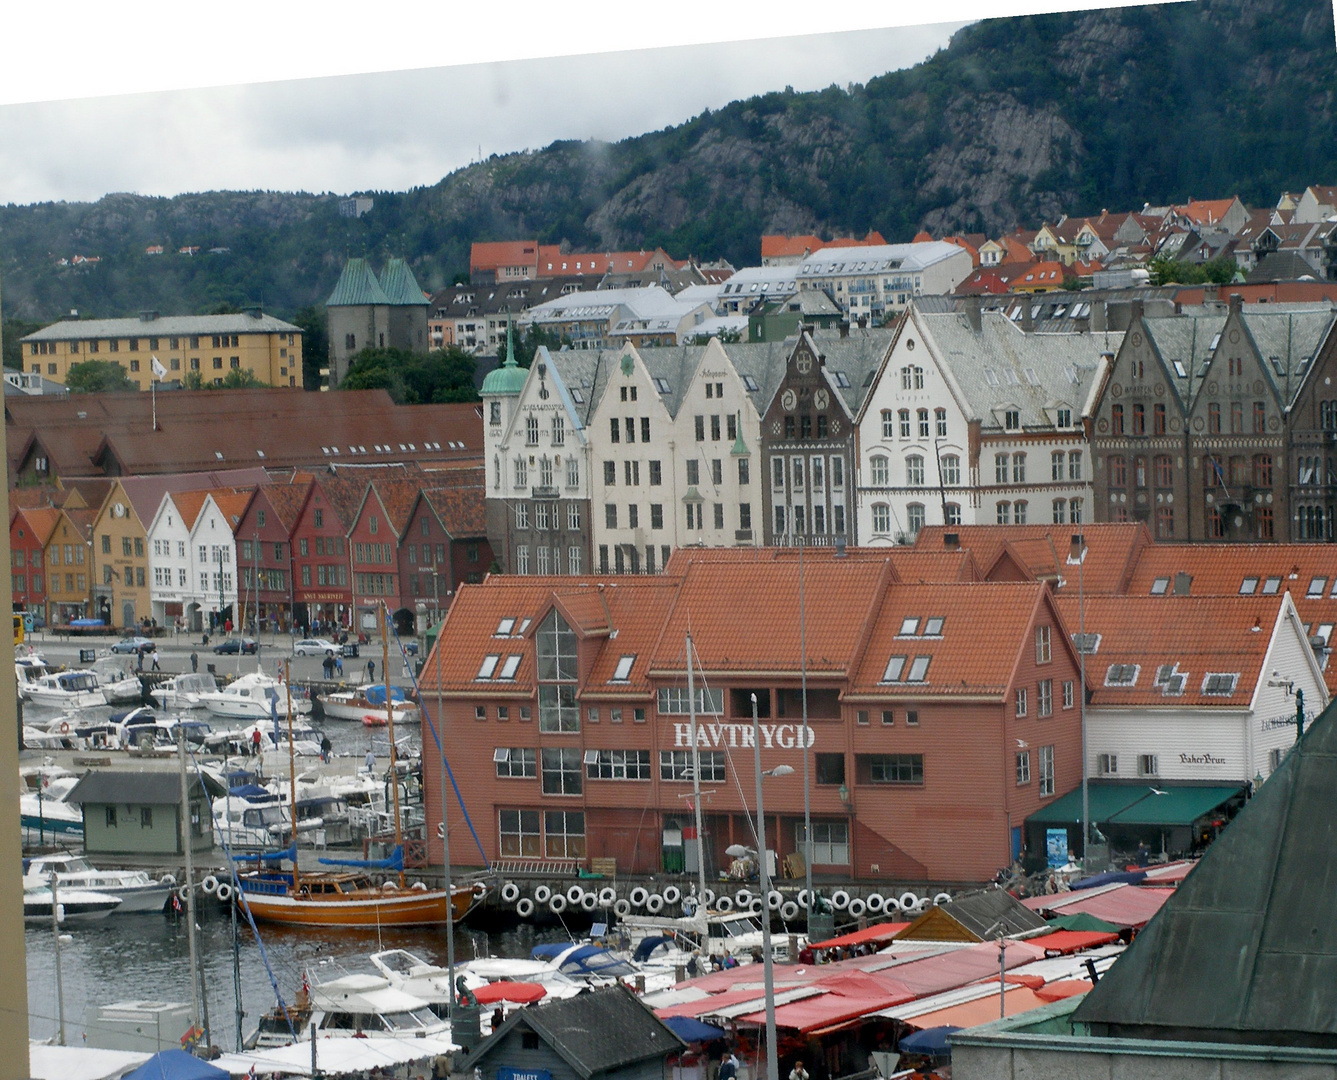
[1174,805]
[1105,799]
[1083,921]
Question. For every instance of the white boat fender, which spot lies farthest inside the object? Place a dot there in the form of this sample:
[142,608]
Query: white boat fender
[224,891]
[724,903]
[639,895]
[743,897]
[840,900]
[876,904]
[557,903]
[574,895]
[389,886]
[654,903]
[857,907]
[709,894]
[588,901]
[802,898]
[757,906]
[943,898]
[542,894]
[419,886]
[908,900]
[622,907]
[524,907]
[672,895]
[209,885]
[607,896]
[789,911]
[510,892]
[183,892]
[167,879]
[775,899]
[480,890]
[891,904]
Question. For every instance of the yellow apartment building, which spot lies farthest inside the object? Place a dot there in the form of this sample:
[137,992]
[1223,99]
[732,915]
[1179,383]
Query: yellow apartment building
[207,346]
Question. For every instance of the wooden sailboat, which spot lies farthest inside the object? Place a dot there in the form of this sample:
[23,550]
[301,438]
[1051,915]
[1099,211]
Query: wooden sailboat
[354,899]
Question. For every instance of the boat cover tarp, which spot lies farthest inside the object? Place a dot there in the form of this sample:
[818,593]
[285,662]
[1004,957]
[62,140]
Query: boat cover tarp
[251,791]
[517,993]
[647,946]
[179,1065]
[376,693]
[336,1056]
[879,934]
[588,961]
[1123,905]
[88,622]
[931,1041]
[80,1062]
[549,950]
[394,862]
[289,853]
[693,1031]
[1110,877]
[1082,921]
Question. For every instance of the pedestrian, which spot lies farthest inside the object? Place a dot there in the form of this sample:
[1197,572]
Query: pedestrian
[693,968]
[328,665]
[326,748]
[194,660]
[729,1067]
[371,671]
[227,626]
[339,665]
[155,661]
[1143,854]
[371,762]
[498,1018]
[798,1072]
[141,658]
[255,743]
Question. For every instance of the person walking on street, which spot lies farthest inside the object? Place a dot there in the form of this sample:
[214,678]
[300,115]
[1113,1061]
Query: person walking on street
[729,1068]
[371,762]
[339,665]
[326,748]
[155,661]
[371,671]
[194,661]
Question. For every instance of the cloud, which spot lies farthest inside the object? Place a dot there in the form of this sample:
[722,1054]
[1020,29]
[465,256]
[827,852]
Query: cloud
[394,130]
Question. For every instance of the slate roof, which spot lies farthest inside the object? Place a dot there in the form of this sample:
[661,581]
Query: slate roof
[287,500]
[856,357]
[149,788]
[979,912]
[1246,948]
[594,1032]
[165,326]
[589,372]
[357,286]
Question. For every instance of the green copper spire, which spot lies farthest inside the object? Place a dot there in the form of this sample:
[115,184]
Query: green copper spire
[509,378]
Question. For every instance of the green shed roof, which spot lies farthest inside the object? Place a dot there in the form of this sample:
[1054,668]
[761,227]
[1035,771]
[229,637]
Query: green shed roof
[357,286]
[400,286]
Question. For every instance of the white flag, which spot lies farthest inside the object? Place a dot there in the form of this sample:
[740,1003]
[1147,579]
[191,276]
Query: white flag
[158,369]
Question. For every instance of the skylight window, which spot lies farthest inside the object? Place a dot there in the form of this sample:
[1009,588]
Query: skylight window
[661,384]
[578,397]
[622,673]
[750,383]
[933,628]
[919,669]
[504,627]
[894,668]
[1324,632]
[1202,369]
[1086,643]
[524,625]
[509,668]
[1174,685]
[1216,340]
[842,380]
[1163,674]
[909,627]
[218,454]
[1277,365]
[1219,684]
[488,666]
[1122,675]
[991,376]
[1180,370]
[1271,586]
[1032,377]
[1316,587]
[1248,585]
[1159,586]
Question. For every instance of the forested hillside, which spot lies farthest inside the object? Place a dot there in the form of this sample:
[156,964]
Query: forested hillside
[1019,120]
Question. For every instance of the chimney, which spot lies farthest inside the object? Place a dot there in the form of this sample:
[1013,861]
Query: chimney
[1028,314]
[951,541]
[72,316]
[844,326]
[1211,293]
[1099,317]
[1236,302]
[973,315]
[1183,582]
[840,545]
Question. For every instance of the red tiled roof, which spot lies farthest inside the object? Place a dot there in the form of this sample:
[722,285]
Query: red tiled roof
[1206,211]
[462,511]
[1045,273]
[491,255]
[287,500]
[774,247]
[41,521]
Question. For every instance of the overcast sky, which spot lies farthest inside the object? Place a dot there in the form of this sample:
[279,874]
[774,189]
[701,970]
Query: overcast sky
[393,130]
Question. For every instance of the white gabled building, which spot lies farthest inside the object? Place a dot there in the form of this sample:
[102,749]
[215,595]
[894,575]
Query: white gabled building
[212,551]
[972,420]
[168,537]
[881,281]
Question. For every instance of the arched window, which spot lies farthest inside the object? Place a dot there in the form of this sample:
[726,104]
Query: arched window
[952,514]
[1018,468]
[1019,512]
[914,470]
[879,471]
[1004,513]
[914,517]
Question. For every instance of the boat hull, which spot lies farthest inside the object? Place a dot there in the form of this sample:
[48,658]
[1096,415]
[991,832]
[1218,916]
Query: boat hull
[400,907]
[337,710]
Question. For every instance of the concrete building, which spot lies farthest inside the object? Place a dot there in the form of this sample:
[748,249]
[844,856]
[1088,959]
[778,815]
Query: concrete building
[207,347]
[609,317]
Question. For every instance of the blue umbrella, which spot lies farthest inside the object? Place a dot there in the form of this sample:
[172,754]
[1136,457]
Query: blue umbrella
[691,1030]
[932,1042]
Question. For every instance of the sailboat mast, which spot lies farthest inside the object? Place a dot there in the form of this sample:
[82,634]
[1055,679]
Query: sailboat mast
[390,729]
[696,780]
[292,779]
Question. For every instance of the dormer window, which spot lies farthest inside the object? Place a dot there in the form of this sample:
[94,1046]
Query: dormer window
[1012,420]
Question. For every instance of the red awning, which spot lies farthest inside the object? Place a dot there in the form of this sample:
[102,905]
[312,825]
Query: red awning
[1017,999]
[878,934]
[1063,942]
[1122,905]
[517,993]
[1063,988]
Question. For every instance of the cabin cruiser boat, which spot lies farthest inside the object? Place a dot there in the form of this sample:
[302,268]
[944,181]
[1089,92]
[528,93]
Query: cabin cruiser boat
[144,728]
[241,741]
[76,905]
[255,696]
[183,691]
[117,681]
[353,1006]
[137,891]
[43,810]
[712,932]
[64,690]
[29,666]
[359,703]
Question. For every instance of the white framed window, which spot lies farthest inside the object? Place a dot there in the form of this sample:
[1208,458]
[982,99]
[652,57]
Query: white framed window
[952,514]
[1046,771]
[914,470]
[1107,764]
[1074,464]
[1043,649]
[1021,701]
[1003,513]
[1000,469]
[1056,460]
[1068,695]
[888,424]
[488,666]
[914,518]
[1044,698]
[830,842]
[1018,468]
[951,470]
[881,518]
[879,470]
[1023,767]
[622,673]
[1148,765]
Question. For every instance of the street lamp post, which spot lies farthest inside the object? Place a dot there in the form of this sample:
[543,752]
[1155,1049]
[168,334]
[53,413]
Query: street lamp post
[763,860]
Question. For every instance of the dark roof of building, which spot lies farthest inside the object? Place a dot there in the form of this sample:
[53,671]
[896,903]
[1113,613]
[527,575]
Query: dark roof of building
[981,913]
[1246,948]
[593,1032]
[157,788]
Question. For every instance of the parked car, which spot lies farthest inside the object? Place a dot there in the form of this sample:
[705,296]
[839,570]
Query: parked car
[134,645]
[232,646]
[315,646]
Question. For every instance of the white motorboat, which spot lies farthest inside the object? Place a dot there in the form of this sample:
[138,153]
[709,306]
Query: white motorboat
[46,815]
[76,905]
[117,680]
[256,696]
[142,727]
[28,667]
[359,703]
[183,691]
[253,818]
[138,892]
[352,1006]
[64,690]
